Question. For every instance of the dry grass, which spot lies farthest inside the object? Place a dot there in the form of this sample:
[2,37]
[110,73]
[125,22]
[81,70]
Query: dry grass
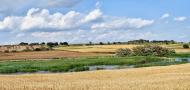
[178,48]
[95,48]
[176,77]
[113,48]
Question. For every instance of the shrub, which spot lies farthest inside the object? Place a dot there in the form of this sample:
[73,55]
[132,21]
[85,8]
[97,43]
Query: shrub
[123,52]
[6,51]
[185,46]
[13,51]
[37,49]
[152,50]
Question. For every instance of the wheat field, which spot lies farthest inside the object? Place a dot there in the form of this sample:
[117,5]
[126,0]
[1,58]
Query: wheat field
[95,48]
[112,48]
[176,77]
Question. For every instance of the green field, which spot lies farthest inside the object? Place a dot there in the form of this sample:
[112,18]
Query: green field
[78,64]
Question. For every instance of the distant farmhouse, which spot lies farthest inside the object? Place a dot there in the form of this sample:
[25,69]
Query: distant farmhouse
[15,48]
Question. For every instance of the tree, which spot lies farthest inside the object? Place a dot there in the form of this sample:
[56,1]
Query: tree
[52,44]
[109,43]
[185,46]
[23,43]
[90,43]
[101,43]
[64,43]
[34,44]
[43,43]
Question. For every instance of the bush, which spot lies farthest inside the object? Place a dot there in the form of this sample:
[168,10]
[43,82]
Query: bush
[6,51]
[37,49]
[152,50]
[185,46]
[13,51]
[123,52]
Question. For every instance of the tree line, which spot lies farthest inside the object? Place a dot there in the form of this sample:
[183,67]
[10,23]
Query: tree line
[50,44]
[140,41]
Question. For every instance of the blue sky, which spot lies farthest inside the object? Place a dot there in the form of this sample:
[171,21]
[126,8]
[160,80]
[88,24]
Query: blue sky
[80,21]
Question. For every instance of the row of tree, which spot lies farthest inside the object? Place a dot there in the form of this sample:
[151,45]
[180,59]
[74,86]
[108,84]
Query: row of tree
[50,44]
[140,41]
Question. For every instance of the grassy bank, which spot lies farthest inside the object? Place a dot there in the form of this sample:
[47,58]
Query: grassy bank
[181,55]
[75,64]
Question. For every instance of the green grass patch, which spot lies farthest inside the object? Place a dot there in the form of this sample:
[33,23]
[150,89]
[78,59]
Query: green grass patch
[181,55]
[75,64]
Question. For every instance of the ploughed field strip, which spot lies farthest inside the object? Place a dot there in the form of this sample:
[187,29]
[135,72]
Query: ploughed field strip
[42,55]
[175,77]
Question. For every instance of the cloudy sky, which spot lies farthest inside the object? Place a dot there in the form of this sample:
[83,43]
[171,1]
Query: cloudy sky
[80,21]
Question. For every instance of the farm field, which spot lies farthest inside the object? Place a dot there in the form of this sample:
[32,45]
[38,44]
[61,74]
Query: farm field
[43,55]
[77,51]
[175,77]
[94,45]
[112,48]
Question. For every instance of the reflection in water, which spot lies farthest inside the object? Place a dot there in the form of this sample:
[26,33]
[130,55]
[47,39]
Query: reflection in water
[108,67]
[183,59]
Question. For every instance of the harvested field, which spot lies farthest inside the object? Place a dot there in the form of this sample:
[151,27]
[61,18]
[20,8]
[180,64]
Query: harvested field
[96,48]
[43,55]
[113,48]
[174,77]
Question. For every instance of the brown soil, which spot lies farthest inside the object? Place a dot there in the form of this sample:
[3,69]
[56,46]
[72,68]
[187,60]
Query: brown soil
[43,55]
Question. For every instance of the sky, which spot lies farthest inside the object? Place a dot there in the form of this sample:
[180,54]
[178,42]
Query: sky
[82,21]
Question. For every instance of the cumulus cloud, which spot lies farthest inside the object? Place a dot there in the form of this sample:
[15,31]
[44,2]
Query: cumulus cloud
[41,19]
[166,15]
[94,15]
[182,18]
[123,23]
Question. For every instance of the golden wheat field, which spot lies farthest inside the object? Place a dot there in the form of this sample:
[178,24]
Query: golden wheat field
[176,77]
[113,48]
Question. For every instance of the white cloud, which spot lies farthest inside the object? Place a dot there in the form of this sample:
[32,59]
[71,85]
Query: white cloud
[98,4]
[10,23]
[42,19]
[123,23]
[182,18]
[94,15]
[37,19]
[166,15]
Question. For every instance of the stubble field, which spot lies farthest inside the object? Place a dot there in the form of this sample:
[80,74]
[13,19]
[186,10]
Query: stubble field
[112,48]
[174,77]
